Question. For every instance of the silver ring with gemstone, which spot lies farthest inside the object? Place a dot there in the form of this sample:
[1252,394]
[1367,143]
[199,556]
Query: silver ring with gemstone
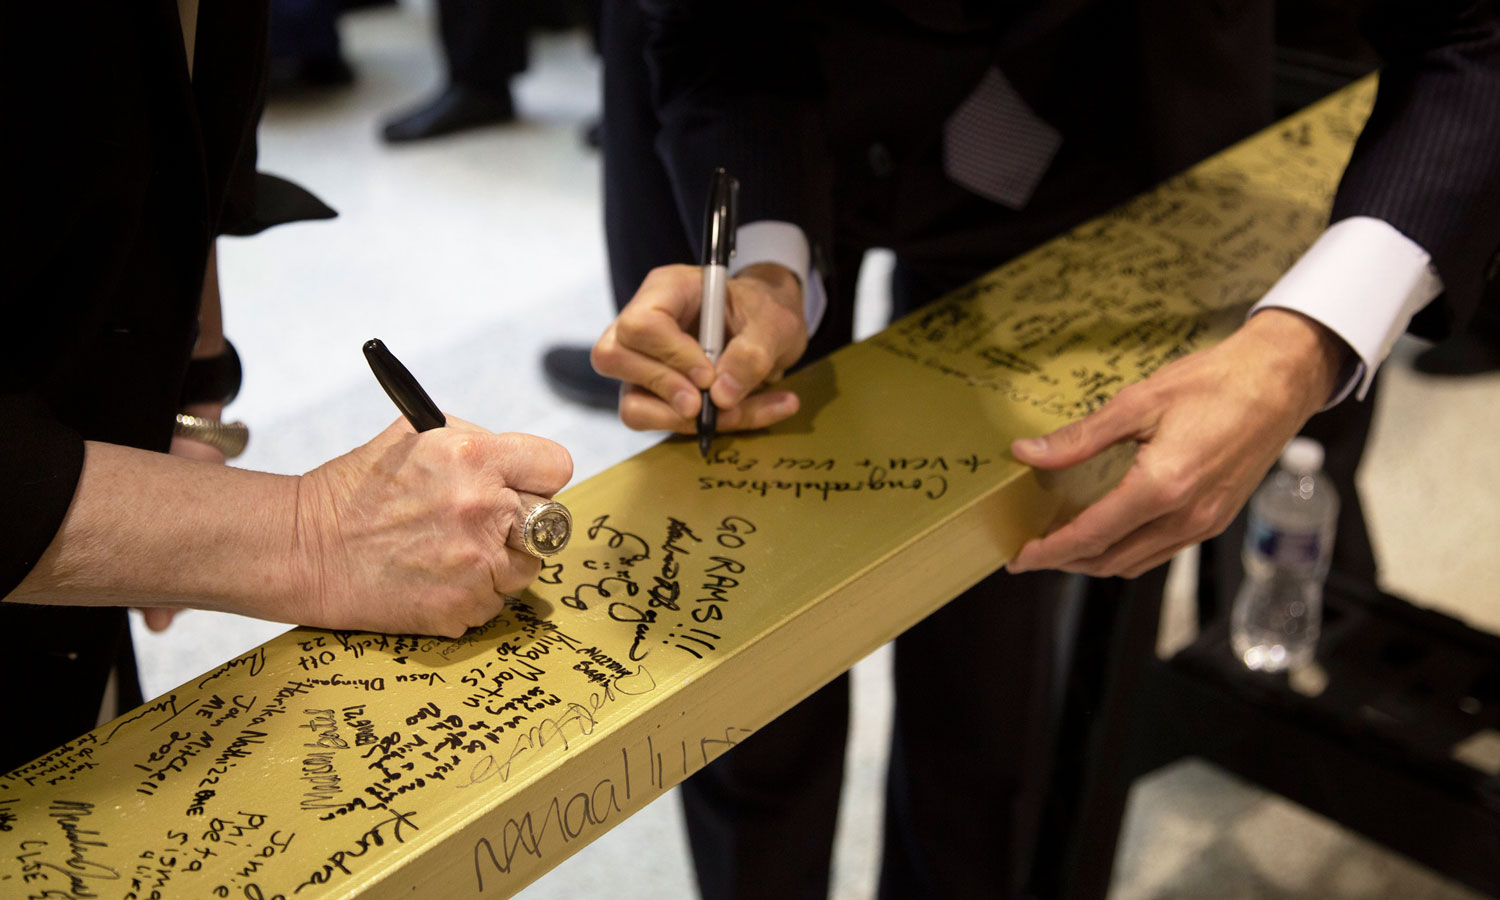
[543,526]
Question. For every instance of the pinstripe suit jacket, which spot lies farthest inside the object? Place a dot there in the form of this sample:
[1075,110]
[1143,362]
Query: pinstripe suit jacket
[797,97]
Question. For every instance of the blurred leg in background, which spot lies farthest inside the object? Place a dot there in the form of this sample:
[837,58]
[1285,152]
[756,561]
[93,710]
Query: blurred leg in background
[641,226]
[484,45]
[305,49]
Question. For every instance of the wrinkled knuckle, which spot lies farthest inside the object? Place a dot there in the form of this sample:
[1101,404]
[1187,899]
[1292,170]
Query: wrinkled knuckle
[470,506]
[512,444]
[661,384]
[633,328]
[672,279]
[1197,520]
[1215,517]
[447,628]
[460,448]
[634,412]
[1092,547]
[447,623]
[517,576]
[630,414]
[757,360]
[444,608]
[605,354]
[466,557]
[1129,402]
[1163,487]
[486,609]
[679,272]
[783,320]
[656,276]
[1067,437]
[1174,492]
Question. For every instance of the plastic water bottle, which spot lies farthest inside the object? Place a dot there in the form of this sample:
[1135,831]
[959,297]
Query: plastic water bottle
[1278,610]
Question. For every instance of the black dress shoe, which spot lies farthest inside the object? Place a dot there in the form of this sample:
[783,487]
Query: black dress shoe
[457,108]
[570,374]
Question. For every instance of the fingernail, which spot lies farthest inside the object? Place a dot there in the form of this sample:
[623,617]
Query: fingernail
[685,403]
[1032,445]
[703,376]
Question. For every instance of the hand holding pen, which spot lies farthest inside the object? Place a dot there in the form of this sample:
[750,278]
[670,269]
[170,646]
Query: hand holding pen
[653,345]
[425,532]
[543,526]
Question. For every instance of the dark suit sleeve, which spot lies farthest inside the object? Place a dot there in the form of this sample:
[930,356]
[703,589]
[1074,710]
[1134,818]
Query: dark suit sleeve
[1428,161]
[41,459]
[736,85]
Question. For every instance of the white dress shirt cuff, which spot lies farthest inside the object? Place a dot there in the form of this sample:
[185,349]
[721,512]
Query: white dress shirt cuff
[782,243]
[1363,280]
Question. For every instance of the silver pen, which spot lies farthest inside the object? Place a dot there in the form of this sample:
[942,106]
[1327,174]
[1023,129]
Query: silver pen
[719,224]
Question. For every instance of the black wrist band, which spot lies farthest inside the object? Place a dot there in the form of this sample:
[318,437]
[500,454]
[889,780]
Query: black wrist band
[213,379]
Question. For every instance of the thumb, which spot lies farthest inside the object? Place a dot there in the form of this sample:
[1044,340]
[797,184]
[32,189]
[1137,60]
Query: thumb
[1081,440]
[158,618]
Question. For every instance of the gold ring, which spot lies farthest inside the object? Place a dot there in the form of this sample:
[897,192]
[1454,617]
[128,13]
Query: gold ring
[229,438]
[543,526]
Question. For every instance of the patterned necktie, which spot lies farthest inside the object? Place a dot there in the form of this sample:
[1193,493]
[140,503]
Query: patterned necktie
[995,145]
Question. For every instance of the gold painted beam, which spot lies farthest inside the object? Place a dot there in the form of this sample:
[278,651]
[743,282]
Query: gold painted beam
[697,601]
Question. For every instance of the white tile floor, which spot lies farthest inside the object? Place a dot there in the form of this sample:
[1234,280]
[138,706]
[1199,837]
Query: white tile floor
[469,254]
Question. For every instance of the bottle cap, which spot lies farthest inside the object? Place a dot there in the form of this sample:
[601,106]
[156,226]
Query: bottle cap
[1303,456]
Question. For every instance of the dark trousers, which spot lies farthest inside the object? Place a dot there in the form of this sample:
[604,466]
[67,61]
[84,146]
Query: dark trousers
[484,42]
[969,746]
[304,29]
[641,227]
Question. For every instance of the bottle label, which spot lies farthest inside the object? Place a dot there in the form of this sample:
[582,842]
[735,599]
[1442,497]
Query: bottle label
[1290,549]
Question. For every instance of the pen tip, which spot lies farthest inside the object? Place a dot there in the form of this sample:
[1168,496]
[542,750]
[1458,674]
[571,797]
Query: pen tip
[703,442]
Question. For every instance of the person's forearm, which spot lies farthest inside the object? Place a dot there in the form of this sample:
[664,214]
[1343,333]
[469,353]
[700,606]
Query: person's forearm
[148,528]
